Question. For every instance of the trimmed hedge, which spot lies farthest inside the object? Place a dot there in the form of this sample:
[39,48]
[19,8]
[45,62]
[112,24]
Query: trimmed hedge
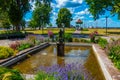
[11,35]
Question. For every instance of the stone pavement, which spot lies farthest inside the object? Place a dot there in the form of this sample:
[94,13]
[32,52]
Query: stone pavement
[77,32]
[7,42]
[109,38]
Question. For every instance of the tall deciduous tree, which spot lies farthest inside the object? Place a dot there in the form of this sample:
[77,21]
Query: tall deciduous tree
[4,21]
[15,10]
[41,14]
[64,17]
[23,24]
[99,7]
[32,24]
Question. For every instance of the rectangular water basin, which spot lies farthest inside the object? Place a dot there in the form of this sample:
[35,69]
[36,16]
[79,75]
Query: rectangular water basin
[83,55]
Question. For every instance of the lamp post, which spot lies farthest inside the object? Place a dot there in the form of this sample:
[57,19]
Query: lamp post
[42,18]
[106,24]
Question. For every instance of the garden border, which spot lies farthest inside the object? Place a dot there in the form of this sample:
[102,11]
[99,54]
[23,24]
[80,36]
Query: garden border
[22,54]
[108,68]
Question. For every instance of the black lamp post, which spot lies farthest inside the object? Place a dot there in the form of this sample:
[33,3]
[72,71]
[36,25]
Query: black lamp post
[42,18]
[106,24]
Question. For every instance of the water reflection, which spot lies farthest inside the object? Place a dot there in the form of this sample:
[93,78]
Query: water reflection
[48,57]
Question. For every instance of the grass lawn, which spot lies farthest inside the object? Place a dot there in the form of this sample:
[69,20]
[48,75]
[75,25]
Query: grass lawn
[71,30]
[54,30]
[103,31]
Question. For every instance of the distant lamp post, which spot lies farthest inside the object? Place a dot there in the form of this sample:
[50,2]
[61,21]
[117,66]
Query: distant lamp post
[42,18]
[106,24]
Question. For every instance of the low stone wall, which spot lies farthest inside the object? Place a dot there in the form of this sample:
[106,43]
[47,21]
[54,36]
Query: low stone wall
[108,68]
[21,55]
[76,44]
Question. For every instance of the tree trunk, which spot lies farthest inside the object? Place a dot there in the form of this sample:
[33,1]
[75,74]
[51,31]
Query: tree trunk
[39,27]
[17,28]
[13,28]
[23,27]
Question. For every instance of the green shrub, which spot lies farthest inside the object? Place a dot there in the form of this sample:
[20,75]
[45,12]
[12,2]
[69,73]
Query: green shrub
[11,34]
[76,40]
[102,42]
[24,46]
[44,76]
[8,74]
[114,55]
[84,40]
[32,39]
[68,37]
[85,29]
[5,52]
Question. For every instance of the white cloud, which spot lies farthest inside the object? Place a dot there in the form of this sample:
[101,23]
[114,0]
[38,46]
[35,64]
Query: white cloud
[68,3]
[72,10]
[82,17]
[33,5]
[61,2]
[79,1]
[83,12]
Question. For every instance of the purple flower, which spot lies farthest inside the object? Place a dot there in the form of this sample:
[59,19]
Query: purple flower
[72,71]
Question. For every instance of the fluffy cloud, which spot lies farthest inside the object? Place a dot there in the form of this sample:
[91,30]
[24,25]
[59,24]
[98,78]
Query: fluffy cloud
[32,5]
[83,12]
[68,3]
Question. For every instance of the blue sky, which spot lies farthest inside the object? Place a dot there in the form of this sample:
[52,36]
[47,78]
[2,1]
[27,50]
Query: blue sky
[79,10]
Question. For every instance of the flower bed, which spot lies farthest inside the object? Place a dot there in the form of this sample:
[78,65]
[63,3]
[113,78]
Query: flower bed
[73,71]
[18,46]
[113,50]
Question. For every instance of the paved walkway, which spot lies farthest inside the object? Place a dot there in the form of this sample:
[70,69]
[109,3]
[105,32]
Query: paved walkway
[6,42]
[77,32]
[109,38]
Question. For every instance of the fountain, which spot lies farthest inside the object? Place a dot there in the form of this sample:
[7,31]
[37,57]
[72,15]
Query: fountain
[60,44]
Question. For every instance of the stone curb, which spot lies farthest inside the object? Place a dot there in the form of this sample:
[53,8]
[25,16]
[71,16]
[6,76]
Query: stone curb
[21,55]
[75,44]
[102,66]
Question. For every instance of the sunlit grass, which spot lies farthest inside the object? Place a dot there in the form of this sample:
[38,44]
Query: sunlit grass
[71,30]
[54,30]
[103,31]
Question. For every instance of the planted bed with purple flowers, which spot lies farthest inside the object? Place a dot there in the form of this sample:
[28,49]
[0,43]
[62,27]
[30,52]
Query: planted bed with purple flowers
[79,63]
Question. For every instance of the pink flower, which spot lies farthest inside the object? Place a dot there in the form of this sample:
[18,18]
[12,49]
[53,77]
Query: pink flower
[50,33]
[95,32]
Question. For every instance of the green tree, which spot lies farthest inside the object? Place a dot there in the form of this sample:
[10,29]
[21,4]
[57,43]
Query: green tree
[50,25]
[32,24]
[64,17]
[4,21]
[15,10]
[99,7]
[22,24]
[41,14]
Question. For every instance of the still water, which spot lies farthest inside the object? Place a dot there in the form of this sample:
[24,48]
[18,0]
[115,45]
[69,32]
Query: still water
[48,57]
